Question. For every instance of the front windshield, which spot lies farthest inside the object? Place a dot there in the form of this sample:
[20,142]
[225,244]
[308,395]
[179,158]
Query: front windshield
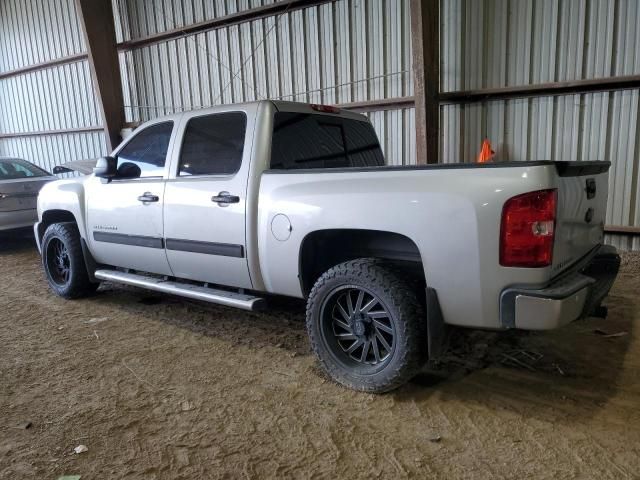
[14,168]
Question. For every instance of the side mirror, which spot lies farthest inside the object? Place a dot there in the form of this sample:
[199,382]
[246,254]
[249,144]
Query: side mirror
[128,170]
[105,168]
[57,170]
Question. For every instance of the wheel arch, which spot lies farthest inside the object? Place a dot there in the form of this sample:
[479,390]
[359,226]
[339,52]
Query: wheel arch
[322,249]
[49,217]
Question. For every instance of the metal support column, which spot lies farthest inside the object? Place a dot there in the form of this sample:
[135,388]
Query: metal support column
[425,41]
[96,17]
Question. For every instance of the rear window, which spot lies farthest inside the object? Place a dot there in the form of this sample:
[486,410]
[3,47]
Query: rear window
[302,140]
[14,168]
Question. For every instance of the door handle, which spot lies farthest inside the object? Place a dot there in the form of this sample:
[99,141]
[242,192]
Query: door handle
[148,197]
[591,188]
[225,198]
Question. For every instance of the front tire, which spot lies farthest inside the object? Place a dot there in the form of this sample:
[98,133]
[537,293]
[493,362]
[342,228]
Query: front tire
[367,326]
[64,263]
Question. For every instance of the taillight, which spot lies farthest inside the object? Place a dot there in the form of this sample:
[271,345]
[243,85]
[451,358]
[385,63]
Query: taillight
[527,229]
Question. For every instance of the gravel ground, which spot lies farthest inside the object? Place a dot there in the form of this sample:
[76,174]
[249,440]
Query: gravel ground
[158,387]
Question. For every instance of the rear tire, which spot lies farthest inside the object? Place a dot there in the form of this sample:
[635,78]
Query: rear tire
[63,262]
[367,326]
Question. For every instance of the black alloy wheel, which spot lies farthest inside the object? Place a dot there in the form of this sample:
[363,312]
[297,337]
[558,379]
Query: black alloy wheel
[358,327]
[58,262]
[64,263]
[367,325]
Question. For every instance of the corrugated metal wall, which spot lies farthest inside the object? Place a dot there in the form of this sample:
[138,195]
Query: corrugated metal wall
[350,50]
[521,42]
[303,55]
[37,31]
[55,98]
[499,43]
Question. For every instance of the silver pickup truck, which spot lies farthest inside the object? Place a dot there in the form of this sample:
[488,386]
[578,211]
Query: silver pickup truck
[235,203]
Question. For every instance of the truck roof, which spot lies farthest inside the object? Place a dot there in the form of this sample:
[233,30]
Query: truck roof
[281,105]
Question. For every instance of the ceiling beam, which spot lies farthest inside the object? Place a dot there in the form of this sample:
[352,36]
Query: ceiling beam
[570,87]
[39,133]
[425,42]
[276,8]
[621,230]
[379,105]
[42,65]
[96,18]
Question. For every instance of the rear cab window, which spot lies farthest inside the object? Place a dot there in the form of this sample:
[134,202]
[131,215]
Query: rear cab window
[314,141]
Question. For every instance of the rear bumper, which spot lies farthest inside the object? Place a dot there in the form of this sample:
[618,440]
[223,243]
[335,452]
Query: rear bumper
[17,219]
[569,298]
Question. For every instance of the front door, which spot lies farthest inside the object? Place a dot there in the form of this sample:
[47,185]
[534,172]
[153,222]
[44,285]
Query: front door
[204,218]
[125,218]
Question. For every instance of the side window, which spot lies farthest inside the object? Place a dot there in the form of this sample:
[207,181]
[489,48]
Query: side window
[145,155]
[13,168]
[22,170]
[213,144]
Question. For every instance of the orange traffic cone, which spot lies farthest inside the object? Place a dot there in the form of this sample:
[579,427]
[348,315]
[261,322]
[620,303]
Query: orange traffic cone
[486,154]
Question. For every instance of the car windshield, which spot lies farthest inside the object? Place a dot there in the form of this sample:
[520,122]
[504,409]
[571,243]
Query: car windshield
[14,168]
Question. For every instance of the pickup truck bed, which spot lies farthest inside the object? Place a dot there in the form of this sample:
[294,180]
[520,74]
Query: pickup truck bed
[451,228]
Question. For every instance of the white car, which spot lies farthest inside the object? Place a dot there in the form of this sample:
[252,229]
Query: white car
[20,182]
[233,203]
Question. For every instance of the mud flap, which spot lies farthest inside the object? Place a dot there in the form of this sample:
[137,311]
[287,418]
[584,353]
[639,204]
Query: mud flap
[436,328]
[89,262]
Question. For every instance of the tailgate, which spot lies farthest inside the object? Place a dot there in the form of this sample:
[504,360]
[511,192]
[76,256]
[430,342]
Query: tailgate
[582,206]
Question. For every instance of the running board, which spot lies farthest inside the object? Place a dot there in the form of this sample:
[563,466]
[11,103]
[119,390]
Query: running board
[213,295]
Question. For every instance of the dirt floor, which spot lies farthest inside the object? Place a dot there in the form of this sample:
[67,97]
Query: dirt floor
[160,387]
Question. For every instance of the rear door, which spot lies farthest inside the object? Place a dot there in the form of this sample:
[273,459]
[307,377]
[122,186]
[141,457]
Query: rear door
[206,196]
[582,208]
[125,220]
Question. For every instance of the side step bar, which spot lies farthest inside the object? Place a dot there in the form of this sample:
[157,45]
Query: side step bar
[222,297]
